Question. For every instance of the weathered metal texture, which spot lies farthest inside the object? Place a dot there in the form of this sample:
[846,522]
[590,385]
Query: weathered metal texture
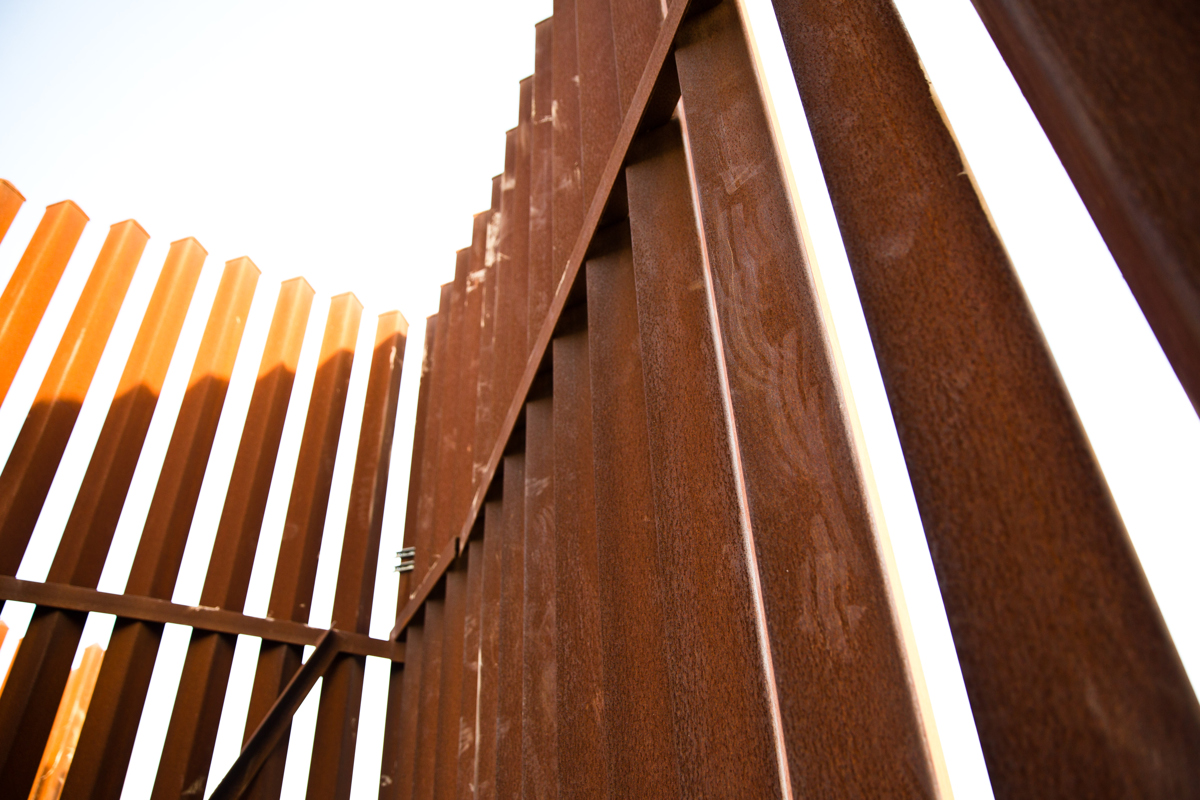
[640,753]
[295,571]
[510,299]
[652,103]
[106,741]
[600,109]
[424,762]
[478,276]
[721,697]
[539,702]
[277,722]
[568,201]
[1073,681]
[510,623]
[1116,88]
[423,539]
[152,609]
[825,570]
[43,664]
[483,771]
[465,738]
[11,201]
[449,477]
[579,654]
[400,733]
[444,730]
[486,411]
[33,282]
[38,449]
[332,766]
[191,735]
[545,119]
[636,23]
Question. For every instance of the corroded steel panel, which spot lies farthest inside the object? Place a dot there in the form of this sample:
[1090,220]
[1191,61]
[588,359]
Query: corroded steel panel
[1064,672]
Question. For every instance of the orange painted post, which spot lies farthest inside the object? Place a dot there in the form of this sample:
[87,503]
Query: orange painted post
[296,569]
[39,447]
[33,283]
[44,663]
[10,203]
[187,752]
[106,741]
[72,710]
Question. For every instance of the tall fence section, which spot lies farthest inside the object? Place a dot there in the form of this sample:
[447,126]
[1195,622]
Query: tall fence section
[642,557]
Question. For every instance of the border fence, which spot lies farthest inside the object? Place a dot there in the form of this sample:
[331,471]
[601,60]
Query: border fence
[641,554]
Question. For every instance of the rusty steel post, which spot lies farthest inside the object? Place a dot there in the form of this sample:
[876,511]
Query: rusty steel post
[568,201]
[641,756]
[510,660]
[808,503]
[187,752]
[1115,88]
[544,120]
[1075,686]
[539,719]
[638,23]
[106,741]
[39,447]
[463,782]
[423,540]
[722,698]
[485,391]
[579,651]
[425,756]
[400,735]
[476,299]
[43,663]
[389,784]
[33,282]
[600,109]
[11,201]
[444,731]
[446,516]
[483,771]
[332,765]
[296,568]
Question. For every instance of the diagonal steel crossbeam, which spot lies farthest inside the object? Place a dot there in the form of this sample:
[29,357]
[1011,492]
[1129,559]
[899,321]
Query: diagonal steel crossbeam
[277,721]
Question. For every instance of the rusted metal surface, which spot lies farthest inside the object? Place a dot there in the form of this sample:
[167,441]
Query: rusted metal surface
[34,459]
[578,648]
[277,722]
[423,538]
[568,200]
[332,764]
[600,110]
[464,744]
[152,609]
[545,119]
[1116,88]
[33,282]
[1074,684]
[296,568]
[539,695]
[400,733]
[43,663]
[721,698]
[11,201]
[483,772]
[444,730]
[640,755]
[447,480]
[192,733]
[510,624]
[427,699]
[108,734]
[825,579]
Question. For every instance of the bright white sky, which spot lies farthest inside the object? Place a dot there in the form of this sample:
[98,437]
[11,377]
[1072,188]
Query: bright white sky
[351,144]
